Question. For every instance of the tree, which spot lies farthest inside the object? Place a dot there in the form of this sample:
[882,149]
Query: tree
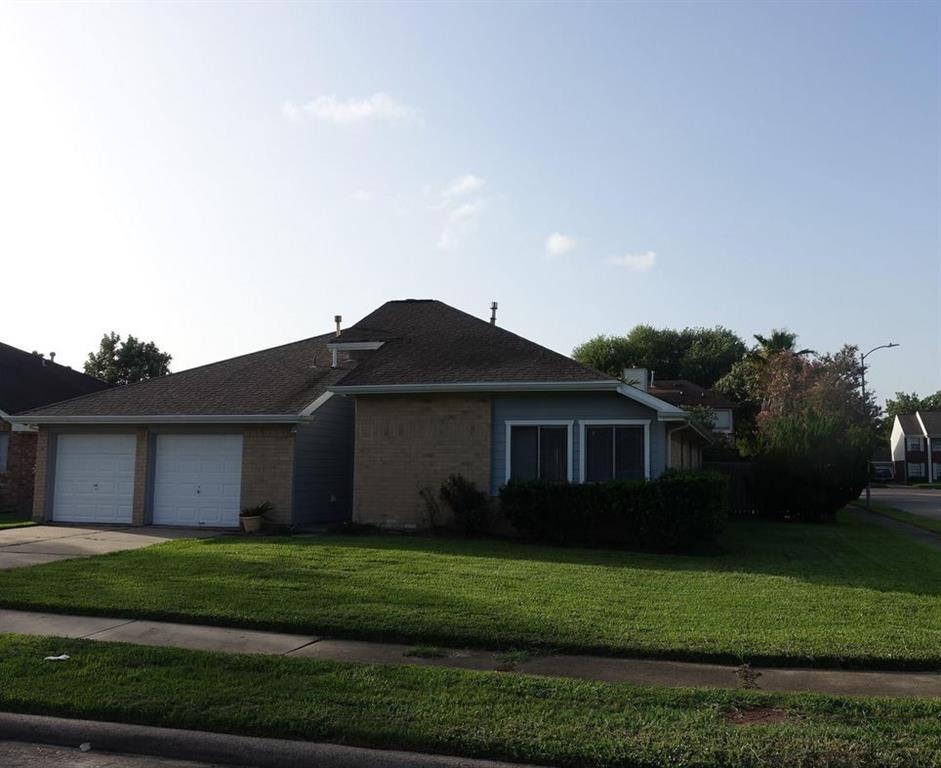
[701,355]
[127,362]
[813,435]
[780,340]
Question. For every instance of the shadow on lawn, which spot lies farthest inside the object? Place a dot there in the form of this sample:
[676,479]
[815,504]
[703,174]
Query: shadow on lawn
[848,554]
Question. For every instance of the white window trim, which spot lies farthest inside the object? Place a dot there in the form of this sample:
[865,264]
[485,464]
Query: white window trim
[920,464]
[568,424]
[645,423]
[908,445]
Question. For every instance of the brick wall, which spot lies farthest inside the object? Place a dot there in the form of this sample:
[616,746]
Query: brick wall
[404,443]
[268,469]
[16,483]
[42,473]
[140,514]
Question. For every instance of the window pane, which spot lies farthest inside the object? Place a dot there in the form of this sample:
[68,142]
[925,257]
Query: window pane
[553,454]
[599,454]
[524,447]
[4,445]
[629,453]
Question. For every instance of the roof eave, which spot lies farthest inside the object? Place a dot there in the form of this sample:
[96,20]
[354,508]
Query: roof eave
[477,386]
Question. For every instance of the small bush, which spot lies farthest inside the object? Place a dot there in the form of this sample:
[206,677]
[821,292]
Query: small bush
[679,510]
[468,503]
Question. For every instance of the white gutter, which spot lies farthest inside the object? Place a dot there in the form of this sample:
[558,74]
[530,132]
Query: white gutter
[251,418]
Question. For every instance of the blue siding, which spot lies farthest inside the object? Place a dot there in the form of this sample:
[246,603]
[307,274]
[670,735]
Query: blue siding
[323,464]
[573,406]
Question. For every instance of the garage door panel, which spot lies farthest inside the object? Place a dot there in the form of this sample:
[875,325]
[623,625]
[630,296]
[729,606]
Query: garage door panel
[94,478]
[198,480]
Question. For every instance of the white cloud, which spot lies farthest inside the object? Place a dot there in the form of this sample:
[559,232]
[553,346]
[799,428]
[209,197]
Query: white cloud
[377,107]
[461,186]
[362,196]
[558,244]
[636,262]
[461,220]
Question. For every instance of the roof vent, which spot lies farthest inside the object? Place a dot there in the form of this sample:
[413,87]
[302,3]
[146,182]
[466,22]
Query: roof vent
[493,313]
[338,319]
[52,357]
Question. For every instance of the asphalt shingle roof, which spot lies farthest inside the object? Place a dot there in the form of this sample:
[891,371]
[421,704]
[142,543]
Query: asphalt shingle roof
[932,422]
[429,342]
[425,342]
[280,380]
[685,393]
[29,381]
[909,424]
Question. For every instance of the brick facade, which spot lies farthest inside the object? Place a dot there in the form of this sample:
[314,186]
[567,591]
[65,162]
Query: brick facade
[16,481]
[404,443]
[42,475]
[268,469]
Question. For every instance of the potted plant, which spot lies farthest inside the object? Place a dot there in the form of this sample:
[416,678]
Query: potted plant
[253,517]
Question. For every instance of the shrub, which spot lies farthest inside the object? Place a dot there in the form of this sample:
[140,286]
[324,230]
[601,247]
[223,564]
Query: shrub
[468,503]
[257,511]
[677,511]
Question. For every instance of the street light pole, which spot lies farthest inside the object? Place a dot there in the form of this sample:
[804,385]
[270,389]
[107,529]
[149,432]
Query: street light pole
[862,371]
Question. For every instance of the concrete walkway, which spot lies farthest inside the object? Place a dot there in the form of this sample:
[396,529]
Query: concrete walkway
[37,544]
[604,669]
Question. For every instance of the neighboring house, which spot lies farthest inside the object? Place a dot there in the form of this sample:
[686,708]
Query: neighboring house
[26,381]
[687,395]
[916,446]
[349,425]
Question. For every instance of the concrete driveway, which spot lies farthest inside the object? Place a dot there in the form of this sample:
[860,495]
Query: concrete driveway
[919,501]
[38,544]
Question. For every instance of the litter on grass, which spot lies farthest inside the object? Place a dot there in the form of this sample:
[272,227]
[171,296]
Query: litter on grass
[85,746]
[63,657]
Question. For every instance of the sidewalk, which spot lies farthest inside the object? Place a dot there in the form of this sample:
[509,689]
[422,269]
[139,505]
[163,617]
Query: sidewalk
[603,669]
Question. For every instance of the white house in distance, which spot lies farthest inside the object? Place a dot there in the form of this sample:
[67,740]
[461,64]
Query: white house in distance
[916,446]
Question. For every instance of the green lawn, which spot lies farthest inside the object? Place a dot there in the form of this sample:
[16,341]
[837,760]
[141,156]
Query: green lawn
[484,714]
[902,516]
[853,593]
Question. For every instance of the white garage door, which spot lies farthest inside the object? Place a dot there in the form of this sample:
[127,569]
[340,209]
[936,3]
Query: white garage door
[198,480]
[94,478]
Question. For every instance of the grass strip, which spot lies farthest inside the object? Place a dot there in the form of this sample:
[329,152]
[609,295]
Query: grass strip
[479,714]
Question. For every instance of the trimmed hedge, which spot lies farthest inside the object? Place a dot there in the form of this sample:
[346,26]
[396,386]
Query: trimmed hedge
[677,511]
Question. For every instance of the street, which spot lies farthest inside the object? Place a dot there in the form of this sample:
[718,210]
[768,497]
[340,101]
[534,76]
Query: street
[920,501]
[14,754]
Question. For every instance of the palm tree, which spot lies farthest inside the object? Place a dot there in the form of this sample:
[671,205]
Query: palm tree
[780,340]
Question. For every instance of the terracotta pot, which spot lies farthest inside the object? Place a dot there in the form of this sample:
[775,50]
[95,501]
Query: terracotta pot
[252,524]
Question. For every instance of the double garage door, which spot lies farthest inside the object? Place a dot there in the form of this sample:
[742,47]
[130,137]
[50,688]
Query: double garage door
[196,479]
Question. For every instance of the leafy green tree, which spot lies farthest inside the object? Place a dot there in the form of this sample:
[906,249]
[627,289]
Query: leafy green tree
[701,355]
[127,362]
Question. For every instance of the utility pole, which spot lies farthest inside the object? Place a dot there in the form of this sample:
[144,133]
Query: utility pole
[862,371]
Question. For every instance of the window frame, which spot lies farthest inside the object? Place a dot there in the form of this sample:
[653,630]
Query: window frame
[921,464]
[508,448]
[908,444]
[583,446]
[5,454]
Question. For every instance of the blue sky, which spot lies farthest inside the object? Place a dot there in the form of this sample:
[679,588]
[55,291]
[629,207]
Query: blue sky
[224,178]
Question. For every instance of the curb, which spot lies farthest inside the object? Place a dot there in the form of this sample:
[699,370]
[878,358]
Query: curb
[202,746]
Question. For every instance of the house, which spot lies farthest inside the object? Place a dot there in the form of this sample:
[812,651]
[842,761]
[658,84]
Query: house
[29,380]
[916,446]
[351,424]
[686,395]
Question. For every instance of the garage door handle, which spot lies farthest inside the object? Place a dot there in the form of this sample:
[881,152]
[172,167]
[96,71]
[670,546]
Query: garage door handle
[95,486]
[198,490]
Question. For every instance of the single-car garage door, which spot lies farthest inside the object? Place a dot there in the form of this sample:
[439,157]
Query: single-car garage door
[197,480]
[94,478]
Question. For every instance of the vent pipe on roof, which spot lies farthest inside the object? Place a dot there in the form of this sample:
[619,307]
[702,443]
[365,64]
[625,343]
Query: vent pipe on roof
[52,357]
[493,313]
[338,319]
